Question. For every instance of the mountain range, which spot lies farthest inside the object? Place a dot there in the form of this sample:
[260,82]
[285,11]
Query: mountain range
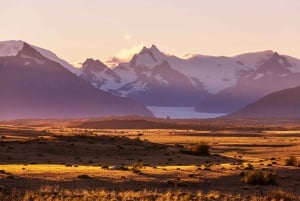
[35,83]
[211,84]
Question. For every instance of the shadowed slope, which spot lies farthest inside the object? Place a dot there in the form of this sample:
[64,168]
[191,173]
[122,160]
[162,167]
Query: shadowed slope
[32,86]
[281,104]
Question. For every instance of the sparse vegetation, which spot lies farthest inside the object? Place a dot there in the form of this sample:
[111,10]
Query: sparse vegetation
[260,177]
[200,149]
[84,176]
[249,166]
[136,167]
[279,195]
[81,162]
[57,194]
[291,161]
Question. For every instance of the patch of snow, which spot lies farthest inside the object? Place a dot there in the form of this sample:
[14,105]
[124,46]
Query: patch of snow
[127,74]
[295,62]
[210,71]
[134,87]
[38,61]
[51,56]
[180,113]
[139,86]
[148,74]
[109,82]
[258,76]
[160,79]
[27,63]
[10,48]
[281,61]
[255,59]
[145,60]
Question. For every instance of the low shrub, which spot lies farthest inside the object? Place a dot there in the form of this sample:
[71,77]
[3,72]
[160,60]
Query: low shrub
[291,161]
[201,149]
[260,177]
[136,167]
[281,196]
[84,176]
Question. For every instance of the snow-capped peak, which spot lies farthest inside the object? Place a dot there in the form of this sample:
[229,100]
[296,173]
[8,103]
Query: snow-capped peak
[10,48]
[148,57]
[92,64]
[254,59]
[13,47]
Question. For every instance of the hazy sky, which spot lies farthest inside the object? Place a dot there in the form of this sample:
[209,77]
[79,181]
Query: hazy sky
[77,29]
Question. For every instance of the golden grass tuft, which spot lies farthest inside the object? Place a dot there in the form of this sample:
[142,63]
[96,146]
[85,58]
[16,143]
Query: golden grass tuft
[54,193]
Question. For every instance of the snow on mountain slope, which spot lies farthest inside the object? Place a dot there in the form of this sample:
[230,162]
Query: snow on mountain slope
[10,48]
[145,76]
[33,86]
[216,73]
[156,78]
[163,86]
[51,56]
[211,72]
[13,47]
[99,75]
[275,74]
[148,57]
[126,73]
[254,59]
[295,64]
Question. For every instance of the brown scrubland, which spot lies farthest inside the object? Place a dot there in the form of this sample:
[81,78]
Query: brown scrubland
[132,158]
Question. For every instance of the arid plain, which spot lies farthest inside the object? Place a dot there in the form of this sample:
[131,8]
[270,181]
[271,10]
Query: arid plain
[156,159]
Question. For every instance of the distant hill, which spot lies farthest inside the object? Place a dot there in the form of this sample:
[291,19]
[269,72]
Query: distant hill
[281,104]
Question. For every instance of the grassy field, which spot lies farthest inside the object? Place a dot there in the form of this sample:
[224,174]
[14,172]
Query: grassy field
[92,160]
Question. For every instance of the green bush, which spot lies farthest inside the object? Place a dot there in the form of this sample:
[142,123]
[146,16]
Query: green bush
[260,177]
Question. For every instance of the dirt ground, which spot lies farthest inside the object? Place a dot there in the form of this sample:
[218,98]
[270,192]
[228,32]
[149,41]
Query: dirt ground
[89,155]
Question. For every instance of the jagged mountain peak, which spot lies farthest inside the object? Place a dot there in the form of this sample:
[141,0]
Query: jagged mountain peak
[254,59]
[276,64]
[281,59]
[148,57]
[153,48]
[93,64]
[13,47]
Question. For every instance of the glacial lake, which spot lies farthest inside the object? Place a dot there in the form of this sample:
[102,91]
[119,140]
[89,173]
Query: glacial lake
[180,113]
